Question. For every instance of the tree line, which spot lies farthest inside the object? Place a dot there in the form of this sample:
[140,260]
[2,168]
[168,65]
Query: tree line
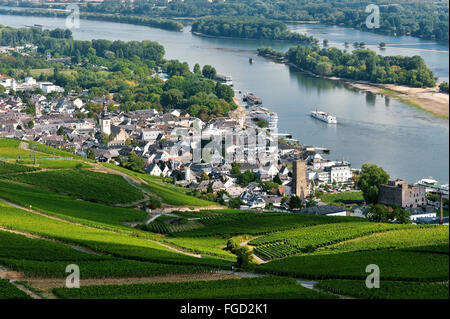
[249,28]
[424,19]
[360,65]
[124,71]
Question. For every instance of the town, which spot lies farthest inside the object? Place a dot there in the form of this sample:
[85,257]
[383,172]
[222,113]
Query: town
[248,163]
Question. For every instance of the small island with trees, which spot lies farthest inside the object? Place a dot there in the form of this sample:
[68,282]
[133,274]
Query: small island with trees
[248,28]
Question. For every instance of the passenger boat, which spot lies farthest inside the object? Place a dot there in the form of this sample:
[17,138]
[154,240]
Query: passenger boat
[325,117]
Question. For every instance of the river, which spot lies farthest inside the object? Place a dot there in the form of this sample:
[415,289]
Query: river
[407,142]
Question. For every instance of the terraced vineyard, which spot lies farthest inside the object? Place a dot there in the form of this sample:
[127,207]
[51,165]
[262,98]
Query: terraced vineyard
[310,238]
[394,265]
[87,185]
[257,224]
[387,290]
[55,209]
[247,288]
[9,168]
[9,291]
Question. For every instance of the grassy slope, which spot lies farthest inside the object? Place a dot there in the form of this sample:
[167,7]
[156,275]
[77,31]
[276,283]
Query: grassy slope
[117,244]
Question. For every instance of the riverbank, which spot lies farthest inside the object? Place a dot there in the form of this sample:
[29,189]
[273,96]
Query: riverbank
[427,99]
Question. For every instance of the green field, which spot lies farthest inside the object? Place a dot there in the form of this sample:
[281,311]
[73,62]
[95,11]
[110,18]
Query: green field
[256,223]
[87,185]
[341,198]
[9,291]
[387,290]
[394,265]
[247,288]
[418,238]
[311,238]
[10,168]
[67,214]
[66,207]
[113,243]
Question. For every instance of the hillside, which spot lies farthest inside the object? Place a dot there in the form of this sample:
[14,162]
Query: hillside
[90,215]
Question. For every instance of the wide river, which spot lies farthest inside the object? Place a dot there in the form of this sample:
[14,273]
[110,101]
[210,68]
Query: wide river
[407,142]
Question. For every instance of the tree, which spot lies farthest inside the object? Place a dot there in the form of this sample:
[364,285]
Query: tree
[443,87]
[243,257]
[30,124]
[277,179]
[370,179]
[381,213]
[325,42]
[235,203]
[197,69]
[135,163]
[60,131]
[209,72]
[295,203]
[90,154]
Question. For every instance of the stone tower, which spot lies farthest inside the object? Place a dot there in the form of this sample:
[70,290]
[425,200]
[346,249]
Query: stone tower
[299,181]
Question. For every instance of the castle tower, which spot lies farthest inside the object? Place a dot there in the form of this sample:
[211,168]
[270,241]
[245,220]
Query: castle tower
[300,183]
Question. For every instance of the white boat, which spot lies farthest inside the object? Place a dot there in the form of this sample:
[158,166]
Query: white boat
[325,117]
[225,79]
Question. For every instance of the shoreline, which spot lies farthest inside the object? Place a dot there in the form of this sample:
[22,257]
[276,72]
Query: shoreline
[429,100]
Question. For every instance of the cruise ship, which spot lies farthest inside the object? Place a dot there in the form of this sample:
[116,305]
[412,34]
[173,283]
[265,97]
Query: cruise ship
[325,117]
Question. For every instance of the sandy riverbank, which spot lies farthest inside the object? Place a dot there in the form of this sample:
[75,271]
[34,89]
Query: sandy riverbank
[427,99]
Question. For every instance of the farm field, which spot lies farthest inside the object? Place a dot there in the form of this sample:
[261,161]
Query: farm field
[10,168]
[394,265]
[256,224]
[66,207]
[387,290]
[89,216]
[87,185]
[341,199]
[246,288]
[120,245]
[9,291]
[417,238]
[311,238]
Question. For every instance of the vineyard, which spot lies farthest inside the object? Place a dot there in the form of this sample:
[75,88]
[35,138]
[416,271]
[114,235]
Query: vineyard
[394,265]
[9,291]
[256,224]
[87,185]
[308,239]
[387,290]
[7,168]
[60,213]
[246,288]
